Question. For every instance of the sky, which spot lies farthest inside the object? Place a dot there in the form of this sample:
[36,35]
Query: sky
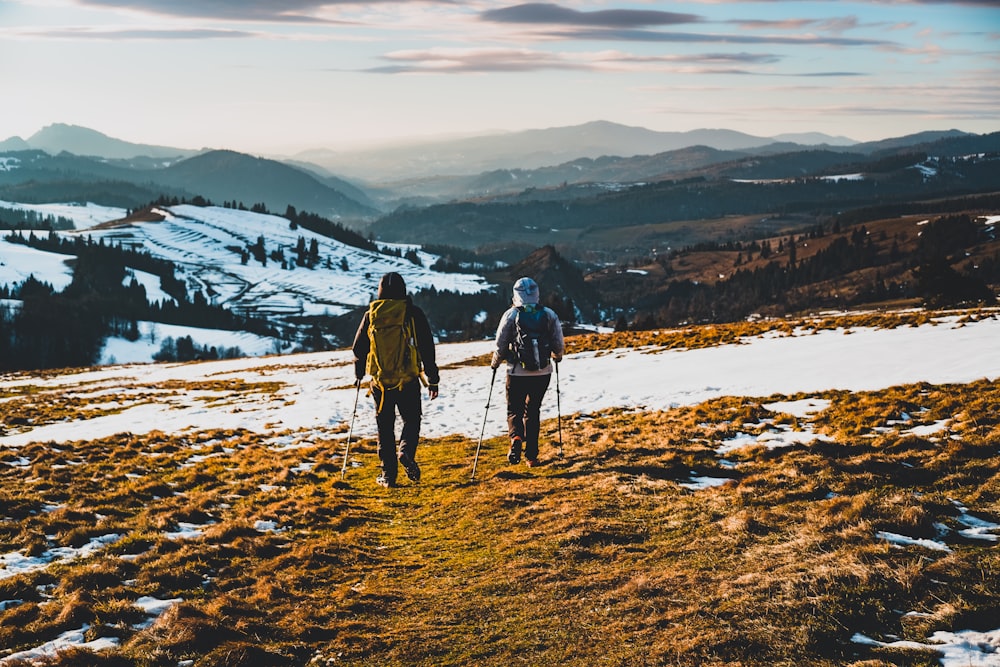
[274,77]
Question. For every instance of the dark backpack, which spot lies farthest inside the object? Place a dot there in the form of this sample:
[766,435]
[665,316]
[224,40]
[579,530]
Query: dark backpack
[532,345]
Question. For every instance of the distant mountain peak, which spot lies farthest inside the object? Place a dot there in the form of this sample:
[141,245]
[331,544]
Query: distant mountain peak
[62,137]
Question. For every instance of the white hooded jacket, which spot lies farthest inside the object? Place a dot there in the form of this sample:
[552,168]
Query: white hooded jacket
[525,293]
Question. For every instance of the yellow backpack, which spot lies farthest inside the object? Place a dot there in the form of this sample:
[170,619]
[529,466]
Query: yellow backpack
[393,359]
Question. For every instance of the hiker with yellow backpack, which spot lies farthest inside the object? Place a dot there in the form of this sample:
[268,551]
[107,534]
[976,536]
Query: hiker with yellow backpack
[395,347]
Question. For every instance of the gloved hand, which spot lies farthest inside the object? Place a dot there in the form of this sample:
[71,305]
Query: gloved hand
[432,391]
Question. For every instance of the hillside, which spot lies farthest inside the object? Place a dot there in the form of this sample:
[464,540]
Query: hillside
[223,176]
[526,149]
[227,175]
[60,137]
[568,215]
[891,262]
[800,496]
[112,290]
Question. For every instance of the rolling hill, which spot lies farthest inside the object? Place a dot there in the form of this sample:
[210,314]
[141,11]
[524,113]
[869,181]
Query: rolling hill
[36,176]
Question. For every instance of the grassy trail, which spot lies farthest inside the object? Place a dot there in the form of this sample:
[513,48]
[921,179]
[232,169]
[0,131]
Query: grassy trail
[602,557]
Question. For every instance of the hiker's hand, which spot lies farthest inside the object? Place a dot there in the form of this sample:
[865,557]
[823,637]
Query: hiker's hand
[357,382]
[495,361]
[432,391]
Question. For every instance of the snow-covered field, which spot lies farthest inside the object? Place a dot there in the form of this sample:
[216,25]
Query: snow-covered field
[318,387]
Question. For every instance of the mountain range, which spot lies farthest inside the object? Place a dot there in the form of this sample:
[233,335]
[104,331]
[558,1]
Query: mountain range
[531,149]
[527,149]
[69,163]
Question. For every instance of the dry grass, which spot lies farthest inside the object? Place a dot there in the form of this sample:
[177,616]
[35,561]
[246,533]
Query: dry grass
[596,558]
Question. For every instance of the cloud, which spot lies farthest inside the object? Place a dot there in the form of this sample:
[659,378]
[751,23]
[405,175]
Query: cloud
[548,14]
[975,3]
[711,38]
[993,4]
[454,60]
[444,60]
[126,34]
[834,25]
[273,11]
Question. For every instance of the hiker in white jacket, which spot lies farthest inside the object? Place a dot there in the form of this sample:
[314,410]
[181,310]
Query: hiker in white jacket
[529,338]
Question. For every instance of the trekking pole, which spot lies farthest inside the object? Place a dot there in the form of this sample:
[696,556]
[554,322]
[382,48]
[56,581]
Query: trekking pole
[559,411]
[475,461]
[350,432]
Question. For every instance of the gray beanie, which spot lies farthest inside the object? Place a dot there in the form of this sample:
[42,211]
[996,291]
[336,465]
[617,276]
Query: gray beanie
[525,292]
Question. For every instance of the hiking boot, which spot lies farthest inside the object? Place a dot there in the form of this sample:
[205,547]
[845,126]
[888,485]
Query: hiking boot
[410,467]
[514,454]
[382,480]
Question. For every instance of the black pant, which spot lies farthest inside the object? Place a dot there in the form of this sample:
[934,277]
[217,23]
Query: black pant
[524,404]
[407,400]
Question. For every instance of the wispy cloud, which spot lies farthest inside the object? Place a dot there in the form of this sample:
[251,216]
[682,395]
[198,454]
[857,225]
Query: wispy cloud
[974,3]
[445,60]
[456,60]
[549,14]
[127,34]
[835,25]
[271,11]
[711,38]
[971,3]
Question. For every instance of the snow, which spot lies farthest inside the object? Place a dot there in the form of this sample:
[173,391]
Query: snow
[318,390]
[966,648]
[903,540]
[119,350]
[70,638]
[18,261]
[844,177]
[205,244]
[82,215]
[186,531]
[976,528]
[152,607]
[151,283]
[15,563]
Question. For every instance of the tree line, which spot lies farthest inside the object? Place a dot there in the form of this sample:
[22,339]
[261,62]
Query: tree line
[51,329]
[17,218]
[786,284]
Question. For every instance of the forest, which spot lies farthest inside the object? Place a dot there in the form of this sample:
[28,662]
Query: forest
[50,329]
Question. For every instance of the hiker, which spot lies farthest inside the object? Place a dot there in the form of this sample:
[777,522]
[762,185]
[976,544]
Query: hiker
[393,343]
[529,336]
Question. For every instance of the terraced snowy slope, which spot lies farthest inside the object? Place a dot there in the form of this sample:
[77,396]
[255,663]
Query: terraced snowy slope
[206,244]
